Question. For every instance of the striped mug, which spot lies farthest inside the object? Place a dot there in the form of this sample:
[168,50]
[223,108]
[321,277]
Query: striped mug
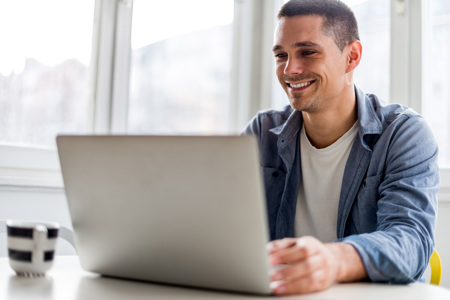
[31,246]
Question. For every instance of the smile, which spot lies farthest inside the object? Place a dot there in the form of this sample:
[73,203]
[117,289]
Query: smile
[300,85]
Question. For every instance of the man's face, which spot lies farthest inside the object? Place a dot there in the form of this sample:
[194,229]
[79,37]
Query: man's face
[309,65]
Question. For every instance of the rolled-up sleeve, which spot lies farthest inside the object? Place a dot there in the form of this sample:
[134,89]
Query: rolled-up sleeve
[399,249]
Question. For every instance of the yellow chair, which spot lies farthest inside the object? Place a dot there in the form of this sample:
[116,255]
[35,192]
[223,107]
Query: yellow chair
[436,268]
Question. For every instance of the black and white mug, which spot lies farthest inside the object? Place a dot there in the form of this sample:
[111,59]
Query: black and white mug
[31,246]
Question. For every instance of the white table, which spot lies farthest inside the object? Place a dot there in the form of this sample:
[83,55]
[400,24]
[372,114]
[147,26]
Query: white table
[66,281]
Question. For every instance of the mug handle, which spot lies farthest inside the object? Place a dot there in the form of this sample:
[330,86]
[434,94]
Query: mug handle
[39,238]
[64,233]
[68,235]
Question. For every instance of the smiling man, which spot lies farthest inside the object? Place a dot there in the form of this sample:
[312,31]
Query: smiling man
[351,185]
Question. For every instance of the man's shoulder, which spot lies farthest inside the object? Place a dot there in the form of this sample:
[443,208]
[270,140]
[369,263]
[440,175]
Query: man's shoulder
[388,113]
[394,122]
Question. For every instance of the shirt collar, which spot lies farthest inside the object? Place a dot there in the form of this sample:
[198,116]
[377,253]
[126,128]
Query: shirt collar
[369,120]
[287,131]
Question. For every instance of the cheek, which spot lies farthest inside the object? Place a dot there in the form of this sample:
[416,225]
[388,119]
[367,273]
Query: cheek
[340,66]
[312,65]
[279,69]
[335,72]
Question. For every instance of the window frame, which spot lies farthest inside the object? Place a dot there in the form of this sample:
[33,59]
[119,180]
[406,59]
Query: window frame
[38,169]
[26,168]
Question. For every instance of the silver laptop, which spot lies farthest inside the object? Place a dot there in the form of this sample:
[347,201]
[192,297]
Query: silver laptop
[185,210]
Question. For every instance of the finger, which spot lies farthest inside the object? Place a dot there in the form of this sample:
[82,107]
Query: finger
[301,250]
[316,281]
[302,268]
[286,256]
[277,245]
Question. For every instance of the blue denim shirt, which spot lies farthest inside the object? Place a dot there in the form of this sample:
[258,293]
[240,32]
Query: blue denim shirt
[388,200]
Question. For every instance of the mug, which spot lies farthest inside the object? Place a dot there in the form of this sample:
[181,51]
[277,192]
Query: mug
[31,246]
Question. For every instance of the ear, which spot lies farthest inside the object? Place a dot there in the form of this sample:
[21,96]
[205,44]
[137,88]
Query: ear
[354,53]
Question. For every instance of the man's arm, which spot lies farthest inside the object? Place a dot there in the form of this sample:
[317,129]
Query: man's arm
[312,266]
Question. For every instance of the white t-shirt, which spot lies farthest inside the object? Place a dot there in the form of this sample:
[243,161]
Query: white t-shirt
[320,187]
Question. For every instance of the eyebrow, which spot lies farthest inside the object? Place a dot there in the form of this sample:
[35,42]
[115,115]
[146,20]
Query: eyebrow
[298,45]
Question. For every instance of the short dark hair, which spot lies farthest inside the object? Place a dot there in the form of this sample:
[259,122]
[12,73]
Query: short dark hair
[339,22]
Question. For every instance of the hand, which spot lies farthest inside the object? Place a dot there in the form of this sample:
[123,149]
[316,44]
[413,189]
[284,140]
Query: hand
[311,265]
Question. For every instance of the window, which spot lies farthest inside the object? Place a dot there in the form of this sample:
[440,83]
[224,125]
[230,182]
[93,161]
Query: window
[436,104]
[181,66]
[186,67]
[373,73]
[44,70]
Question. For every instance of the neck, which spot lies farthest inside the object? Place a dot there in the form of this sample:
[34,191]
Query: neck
[326,126]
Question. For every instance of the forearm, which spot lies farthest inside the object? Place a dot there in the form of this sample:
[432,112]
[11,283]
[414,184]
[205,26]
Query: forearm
[349,263]
[389,258]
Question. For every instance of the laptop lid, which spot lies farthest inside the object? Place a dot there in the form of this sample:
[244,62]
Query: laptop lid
[186,210]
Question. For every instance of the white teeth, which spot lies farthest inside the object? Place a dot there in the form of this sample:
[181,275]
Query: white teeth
[300,85]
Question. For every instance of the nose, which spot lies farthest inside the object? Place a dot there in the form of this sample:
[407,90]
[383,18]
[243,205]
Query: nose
[293,66]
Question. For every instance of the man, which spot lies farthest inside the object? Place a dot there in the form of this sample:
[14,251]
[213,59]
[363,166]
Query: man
[360,177]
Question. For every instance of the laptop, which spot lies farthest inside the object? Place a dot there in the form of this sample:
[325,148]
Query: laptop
[182,210]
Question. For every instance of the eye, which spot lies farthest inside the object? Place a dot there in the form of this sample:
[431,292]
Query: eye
[280,55]
[308,52]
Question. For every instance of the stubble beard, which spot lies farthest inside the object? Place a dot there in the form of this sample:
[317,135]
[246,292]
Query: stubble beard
[309,104]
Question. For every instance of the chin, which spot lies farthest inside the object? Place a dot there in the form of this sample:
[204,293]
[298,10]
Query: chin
[297,106]
[310,107]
